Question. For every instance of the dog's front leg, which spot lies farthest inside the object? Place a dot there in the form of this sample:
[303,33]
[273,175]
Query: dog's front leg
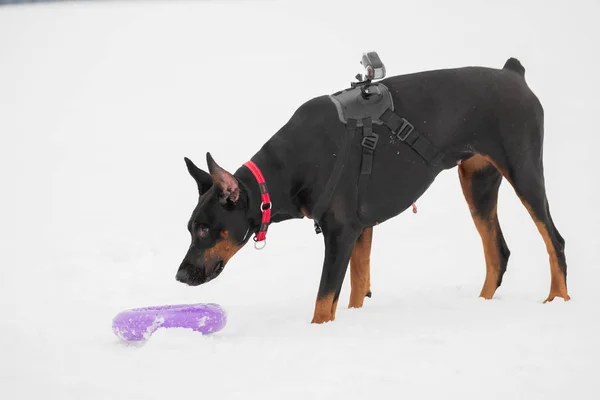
[360,269]
[339,242]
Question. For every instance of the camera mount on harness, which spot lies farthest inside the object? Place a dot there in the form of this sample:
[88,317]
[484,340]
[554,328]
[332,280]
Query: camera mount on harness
[374,69]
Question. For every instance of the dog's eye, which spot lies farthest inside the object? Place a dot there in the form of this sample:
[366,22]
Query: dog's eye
[203,231]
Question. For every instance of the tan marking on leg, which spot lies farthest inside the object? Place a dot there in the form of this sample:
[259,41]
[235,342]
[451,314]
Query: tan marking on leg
[323,310]
[334,308]
[485,227]
[369,282]
[488,235]
[480,162]
[476,163]
[360,269]
[558,284]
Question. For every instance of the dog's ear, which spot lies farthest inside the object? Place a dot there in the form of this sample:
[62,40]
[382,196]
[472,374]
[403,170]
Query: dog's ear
[203,179]
[224,180]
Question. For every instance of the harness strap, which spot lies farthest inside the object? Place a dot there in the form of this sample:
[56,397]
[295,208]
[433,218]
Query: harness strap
[369,142]
[336,173]
[406,132]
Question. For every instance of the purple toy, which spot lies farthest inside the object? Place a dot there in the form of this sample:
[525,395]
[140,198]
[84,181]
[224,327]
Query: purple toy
[138,324]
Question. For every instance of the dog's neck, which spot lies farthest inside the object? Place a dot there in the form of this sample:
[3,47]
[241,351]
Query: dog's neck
[284,200]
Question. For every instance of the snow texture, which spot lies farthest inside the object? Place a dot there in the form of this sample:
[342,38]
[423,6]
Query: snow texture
[100,102]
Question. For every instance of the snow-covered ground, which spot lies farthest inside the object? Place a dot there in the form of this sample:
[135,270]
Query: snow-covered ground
[100,102]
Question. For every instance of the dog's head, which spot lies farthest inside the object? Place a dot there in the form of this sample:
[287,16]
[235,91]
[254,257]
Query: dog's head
[218,226]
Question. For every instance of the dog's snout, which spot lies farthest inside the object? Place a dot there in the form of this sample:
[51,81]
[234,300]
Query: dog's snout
[182,275]
[193,275]
[190,274]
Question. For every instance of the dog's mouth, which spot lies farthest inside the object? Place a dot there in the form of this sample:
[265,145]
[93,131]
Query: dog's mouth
[216,272]
[218,269]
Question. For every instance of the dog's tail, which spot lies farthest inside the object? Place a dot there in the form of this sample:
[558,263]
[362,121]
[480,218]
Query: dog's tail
[514,65]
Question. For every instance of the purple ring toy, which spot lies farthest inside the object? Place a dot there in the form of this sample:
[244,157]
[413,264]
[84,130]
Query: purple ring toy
[138,324]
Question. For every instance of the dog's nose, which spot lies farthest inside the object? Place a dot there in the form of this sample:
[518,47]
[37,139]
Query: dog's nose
[182,275]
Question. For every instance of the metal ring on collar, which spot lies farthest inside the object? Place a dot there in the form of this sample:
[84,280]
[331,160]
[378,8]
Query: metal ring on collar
[257,245]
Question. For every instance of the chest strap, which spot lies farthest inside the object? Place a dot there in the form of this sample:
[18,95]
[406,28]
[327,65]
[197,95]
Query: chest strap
[338,167]
[368,144]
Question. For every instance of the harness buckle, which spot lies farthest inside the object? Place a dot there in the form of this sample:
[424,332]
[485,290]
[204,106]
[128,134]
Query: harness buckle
[406,126]
[370,142]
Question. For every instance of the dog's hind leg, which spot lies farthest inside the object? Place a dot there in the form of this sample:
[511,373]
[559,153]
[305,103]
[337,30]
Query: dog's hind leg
[480,181]
[360,269]
[528,181]
[522,165]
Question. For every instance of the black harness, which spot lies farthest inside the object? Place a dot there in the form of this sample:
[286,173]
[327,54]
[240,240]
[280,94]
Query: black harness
[359,108]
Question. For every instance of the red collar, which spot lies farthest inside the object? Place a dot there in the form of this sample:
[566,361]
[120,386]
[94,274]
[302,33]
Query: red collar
[265,202]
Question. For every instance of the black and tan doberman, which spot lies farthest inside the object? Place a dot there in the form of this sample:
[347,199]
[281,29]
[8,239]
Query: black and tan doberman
[485,121]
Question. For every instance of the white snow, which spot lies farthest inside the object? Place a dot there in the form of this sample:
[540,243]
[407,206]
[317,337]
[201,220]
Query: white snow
[100,102]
